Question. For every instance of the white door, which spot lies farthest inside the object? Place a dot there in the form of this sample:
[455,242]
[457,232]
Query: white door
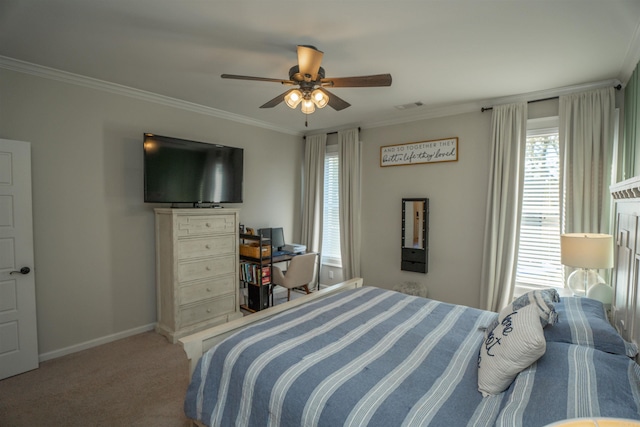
[18,329]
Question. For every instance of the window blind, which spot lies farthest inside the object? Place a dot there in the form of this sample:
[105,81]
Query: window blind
[331,212]
[539,246]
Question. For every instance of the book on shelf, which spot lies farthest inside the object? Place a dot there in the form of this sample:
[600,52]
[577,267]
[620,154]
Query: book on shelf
[254,274]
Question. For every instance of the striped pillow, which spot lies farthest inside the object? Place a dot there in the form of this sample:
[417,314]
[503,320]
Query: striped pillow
[513,345]
[583,321]
[543,299]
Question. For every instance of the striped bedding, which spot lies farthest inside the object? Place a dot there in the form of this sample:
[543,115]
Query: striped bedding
[381,358]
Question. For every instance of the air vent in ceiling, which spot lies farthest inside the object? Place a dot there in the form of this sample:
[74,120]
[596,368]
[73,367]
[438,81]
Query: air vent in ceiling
[409,106]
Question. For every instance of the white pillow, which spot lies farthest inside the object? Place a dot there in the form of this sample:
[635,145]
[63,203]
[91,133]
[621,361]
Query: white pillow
[510,347]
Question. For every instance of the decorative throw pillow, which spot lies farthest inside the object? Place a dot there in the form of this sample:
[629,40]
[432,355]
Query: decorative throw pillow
[514,344]
[543,299]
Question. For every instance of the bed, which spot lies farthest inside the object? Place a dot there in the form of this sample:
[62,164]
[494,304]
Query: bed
[357,355]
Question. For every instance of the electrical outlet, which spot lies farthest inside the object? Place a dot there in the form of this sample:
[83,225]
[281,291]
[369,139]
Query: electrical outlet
[330,274]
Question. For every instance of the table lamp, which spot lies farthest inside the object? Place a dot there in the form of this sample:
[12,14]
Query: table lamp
[588,252]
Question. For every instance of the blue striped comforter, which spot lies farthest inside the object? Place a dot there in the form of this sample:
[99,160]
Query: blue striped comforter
[381,358]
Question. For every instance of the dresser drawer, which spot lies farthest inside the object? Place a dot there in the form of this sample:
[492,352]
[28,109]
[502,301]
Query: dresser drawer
[201,225]
[203,269]
[207,310]
[209,246]
[203,290]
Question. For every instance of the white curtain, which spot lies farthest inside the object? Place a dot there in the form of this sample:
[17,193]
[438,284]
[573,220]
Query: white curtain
[349,155]
[586,151]
[504,201]
[313,197]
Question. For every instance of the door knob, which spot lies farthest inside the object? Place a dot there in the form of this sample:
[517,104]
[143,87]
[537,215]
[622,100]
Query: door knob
[23,270]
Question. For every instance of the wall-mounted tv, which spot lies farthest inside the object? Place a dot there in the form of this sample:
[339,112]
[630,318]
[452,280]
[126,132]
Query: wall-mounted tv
[183,171]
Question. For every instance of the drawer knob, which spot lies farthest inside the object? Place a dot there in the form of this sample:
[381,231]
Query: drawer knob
[207,246]
[208,310]
[208,225]
[208,268]
[208,289]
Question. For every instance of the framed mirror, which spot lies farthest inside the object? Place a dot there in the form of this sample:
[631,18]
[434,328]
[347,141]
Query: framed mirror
[415,232]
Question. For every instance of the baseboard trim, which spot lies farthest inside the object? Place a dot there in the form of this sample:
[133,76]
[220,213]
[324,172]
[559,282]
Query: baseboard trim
[95,342]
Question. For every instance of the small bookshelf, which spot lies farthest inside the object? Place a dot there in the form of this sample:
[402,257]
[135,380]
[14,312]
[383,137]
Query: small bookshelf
[255,272]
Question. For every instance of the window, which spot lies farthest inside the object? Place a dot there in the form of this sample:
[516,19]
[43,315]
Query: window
[331,211]
[539,247]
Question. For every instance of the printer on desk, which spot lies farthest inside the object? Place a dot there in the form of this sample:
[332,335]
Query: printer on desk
[295,248]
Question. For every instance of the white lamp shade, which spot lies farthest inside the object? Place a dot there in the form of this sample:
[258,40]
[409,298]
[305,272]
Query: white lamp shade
[586,250]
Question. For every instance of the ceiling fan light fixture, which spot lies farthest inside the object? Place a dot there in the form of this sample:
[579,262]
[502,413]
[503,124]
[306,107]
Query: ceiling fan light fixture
[307,106]
[309,77]
[320,98]
[293,98]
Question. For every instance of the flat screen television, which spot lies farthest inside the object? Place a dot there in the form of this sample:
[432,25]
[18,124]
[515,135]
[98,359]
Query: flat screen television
[183,171]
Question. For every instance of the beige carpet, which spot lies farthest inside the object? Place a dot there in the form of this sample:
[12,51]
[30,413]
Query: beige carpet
[136,381]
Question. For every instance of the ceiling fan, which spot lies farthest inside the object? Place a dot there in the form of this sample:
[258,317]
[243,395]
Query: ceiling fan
[309,77]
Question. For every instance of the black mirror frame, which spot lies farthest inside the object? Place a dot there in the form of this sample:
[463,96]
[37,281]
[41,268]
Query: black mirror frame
[415,259]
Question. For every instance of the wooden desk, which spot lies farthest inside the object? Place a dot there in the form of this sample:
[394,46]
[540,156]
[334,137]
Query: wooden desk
[285,257]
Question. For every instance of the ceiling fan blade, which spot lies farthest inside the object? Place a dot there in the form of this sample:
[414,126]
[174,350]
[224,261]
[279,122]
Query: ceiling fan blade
[335,102]
[275,101]
[359,81]
[309,60]
[259,79]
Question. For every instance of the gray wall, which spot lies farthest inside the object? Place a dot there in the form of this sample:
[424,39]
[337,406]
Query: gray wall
[94,242]
[94,237]
[457,193]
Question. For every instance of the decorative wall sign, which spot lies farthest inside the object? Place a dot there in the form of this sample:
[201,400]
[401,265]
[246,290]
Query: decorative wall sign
[437,150]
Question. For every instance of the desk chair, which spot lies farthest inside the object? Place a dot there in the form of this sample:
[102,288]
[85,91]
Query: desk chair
[299,274]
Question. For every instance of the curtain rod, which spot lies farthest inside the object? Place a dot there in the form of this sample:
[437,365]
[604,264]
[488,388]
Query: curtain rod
[483,109]
[330,133]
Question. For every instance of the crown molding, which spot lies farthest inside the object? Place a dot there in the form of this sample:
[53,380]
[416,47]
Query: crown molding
[470,107]
[423,114]
[89,82]
[426,114]
[552,93]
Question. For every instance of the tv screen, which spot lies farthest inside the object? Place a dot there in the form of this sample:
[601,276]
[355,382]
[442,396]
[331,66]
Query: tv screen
[182,171]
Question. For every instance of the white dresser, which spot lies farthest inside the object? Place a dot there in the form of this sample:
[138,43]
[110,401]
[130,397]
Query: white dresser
[196,269]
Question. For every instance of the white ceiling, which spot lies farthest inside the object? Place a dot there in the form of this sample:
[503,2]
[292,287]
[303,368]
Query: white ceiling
[443,53]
